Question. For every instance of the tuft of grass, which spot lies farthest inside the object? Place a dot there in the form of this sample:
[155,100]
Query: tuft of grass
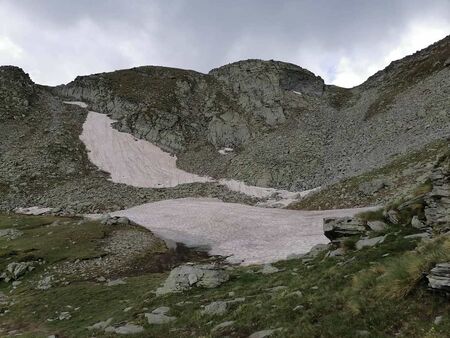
[401,275]
[371,215]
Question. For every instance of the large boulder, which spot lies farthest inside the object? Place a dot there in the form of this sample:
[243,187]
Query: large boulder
[340,227]
[186,276]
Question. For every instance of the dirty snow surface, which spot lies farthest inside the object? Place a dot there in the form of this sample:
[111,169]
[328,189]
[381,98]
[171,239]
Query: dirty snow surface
[248,235]
[142,164]
[129,160]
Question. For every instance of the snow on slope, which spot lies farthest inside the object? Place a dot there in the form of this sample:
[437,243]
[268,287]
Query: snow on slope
[129,160]
[142,164]
[249,235]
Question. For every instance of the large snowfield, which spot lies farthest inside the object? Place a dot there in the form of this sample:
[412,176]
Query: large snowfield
[244,234]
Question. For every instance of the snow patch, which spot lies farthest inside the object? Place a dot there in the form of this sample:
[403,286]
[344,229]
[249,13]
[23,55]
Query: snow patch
[129,160]
[36,211]
[225,151]
[244,234]
[77,103]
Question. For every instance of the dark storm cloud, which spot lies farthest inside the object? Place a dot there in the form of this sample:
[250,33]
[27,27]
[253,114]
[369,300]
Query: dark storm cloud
[344,41]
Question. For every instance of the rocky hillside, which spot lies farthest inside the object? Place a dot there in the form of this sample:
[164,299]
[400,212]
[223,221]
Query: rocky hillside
[43,162]
[287,128]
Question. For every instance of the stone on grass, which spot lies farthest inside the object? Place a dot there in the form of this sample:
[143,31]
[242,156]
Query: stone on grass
[10,234]
[222,326]
[377,226]
[217,308]
[438,320]
[186,276]
[16,269]
[439,277]
[263,333]
[100,325]
[339,227]
[158,318]
[269,269]
[336,253]
[125,329]
[162,310]
[423,235]
[367,242]
[417,223]
[115,282]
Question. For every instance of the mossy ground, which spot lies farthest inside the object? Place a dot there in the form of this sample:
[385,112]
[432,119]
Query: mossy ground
[340,296]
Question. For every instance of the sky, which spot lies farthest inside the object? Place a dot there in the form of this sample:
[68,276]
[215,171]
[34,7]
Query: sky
[343,41]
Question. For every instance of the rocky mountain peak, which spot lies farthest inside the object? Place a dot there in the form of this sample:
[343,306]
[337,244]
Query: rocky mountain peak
[16,91]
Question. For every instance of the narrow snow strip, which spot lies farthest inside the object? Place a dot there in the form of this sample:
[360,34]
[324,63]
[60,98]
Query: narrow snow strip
[36,211]
[77,103]
[249,235]
[129,160]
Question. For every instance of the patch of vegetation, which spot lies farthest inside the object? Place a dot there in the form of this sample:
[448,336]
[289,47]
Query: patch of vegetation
[379,291]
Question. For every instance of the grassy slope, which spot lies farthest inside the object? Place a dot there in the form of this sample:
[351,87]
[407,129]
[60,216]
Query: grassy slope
[340,295]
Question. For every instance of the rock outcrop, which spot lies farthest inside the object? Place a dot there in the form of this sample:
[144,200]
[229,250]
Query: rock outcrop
[437,211]
[439,277]
[185,277]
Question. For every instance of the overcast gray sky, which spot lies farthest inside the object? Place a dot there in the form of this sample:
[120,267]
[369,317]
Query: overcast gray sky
[344,41]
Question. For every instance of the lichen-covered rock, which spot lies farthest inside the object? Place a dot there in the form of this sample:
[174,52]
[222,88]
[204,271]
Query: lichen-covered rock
[439,277]
[186,276]
[16,269]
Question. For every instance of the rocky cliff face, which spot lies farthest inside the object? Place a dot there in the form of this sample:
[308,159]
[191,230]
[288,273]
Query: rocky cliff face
[170,107]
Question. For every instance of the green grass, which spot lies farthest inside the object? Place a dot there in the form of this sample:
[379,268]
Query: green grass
[379,289]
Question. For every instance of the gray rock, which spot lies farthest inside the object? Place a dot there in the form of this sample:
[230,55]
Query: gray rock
[158,318]
[222,326]
[115,282]
[368,242]
[377,226]
[217,308]
[439,277]
[161,310]
[269,269]
[264,333]
[392,216]
[16,269]
[336,253]
[10,234]
[100,325]
[417,223]
[45,283]
[423,235]
[438,320]
[185,277]
[125,329]
[337,228]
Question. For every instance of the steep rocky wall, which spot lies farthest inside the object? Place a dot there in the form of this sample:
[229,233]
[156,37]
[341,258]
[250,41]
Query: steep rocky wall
[170,107]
